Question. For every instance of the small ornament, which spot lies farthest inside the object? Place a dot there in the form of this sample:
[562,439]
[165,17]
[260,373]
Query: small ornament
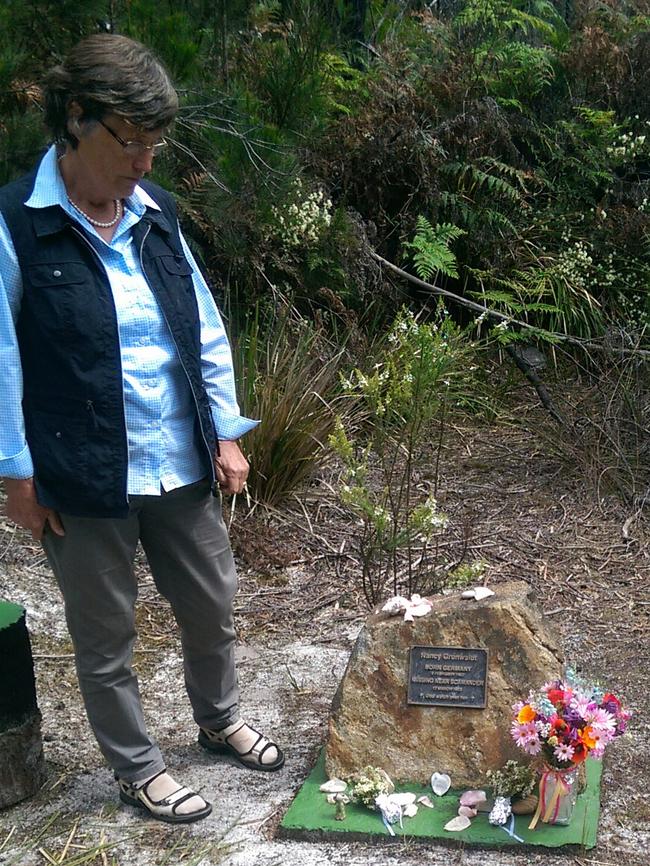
[501,811]
[410,810]
[440,783]
[341,800]
[460,822]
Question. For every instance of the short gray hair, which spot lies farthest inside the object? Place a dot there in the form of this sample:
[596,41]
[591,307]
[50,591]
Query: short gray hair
[109,74]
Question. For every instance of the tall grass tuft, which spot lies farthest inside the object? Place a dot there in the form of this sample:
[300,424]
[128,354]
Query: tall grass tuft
[290,376]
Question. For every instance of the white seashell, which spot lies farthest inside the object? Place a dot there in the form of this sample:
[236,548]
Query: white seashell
[395,605]
[333,786]
[472,798]
[425,801]
[460,822]
[440,783]
[481,592]
[421,609]
[468,593]
[467,811]
[410,811]
[405,799]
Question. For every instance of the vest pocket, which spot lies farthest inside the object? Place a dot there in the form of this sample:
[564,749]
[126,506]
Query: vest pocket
[176,265]
[57,292]
[59,446]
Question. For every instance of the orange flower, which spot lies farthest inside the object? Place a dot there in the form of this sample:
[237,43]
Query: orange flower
[586,737]
[526,714]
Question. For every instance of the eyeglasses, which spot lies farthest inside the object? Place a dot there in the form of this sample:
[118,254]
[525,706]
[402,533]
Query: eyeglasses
[136,148]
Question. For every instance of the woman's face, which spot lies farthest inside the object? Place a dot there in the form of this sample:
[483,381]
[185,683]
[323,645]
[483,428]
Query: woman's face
[113,171]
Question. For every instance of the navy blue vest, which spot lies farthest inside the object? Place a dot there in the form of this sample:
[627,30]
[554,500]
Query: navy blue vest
[70,349]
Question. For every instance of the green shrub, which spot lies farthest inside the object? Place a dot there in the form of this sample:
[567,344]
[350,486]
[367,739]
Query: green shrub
[422,372]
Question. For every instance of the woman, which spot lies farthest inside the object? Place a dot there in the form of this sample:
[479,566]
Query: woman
[120,419]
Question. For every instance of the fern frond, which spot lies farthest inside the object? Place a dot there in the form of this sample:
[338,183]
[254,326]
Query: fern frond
[431,248]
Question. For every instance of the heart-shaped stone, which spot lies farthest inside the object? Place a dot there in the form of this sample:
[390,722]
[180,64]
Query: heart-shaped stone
[440,783]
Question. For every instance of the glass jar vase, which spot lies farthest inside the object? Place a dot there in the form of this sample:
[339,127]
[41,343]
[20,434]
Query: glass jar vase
[558,793]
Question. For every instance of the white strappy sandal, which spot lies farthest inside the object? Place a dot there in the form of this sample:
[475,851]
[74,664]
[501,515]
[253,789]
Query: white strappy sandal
[165,809]
[253,759]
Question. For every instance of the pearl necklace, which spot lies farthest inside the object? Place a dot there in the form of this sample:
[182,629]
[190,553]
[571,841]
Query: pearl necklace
[93,222]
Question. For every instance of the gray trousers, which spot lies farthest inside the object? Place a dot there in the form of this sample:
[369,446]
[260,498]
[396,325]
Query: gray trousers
[186,543]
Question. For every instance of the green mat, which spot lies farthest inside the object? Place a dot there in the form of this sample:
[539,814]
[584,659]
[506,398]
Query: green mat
[310,817]
[9,613]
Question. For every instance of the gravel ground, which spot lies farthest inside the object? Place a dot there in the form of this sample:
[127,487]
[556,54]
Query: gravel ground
[299,613]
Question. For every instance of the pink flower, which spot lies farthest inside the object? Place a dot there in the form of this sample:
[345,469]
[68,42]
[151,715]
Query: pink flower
[533,746]
[581,704]
[600,720]
[526,737]
[563,752]
[522,732]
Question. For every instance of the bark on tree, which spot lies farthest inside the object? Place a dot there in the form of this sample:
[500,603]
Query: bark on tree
[22,769]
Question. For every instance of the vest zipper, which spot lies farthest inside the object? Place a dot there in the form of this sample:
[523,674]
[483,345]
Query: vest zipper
[180,358]
[91,407]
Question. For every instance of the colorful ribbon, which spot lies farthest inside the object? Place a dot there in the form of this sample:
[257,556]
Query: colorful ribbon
[549,807]
[510,829]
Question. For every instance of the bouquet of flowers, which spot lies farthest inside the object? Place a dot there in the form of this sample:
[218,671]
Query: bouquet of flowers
[563,724]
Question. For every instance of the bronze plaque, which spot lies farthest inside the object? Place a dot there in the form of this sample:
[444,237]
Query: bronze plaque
[448,676]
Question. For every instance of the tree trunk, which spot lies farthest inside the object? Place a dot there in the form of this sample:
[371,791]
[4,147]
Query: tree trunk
[22,769]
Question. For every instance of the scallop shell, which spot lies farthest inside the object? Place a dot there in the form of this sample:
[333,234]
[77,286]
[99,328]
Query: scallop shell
[440,783]
[467,811]
[425,801]
[481,592]
[333,786]
[404,799]
[460,822]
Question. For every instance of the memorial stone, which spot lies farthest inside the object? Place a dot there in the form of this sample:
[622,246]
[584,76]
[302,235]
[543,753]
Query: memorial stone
[436,694]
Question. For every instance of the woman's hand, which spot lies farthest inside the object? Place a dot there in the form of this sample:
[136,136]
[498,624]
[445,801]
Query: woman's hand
[231,468]
[22,507]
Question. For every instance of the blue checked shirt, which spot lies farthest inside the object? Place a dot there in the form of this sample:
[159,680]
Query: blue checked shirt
[158,403]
